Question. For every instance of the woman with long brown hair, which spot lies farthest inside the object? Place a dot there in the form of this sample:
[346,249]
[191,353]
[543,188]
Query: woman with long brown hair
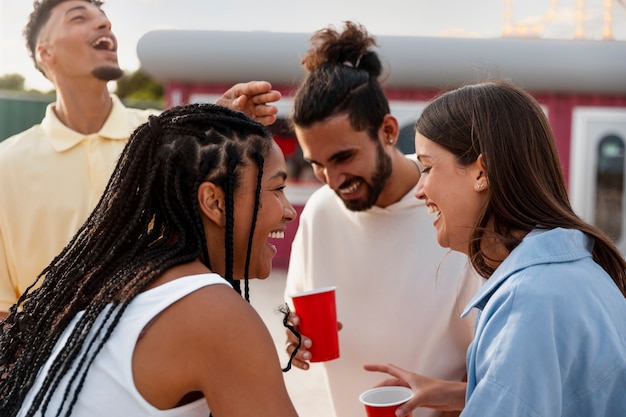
[550,334]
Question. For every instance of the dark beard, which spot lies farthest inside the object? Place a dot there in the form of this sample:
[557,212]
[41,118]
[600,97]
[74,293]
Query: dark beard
[375,188]
[107,73]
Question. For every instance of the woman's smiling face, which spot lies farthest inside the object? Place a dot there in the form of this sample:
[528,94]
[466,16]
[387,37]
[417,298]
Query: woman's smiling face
[454,194]
[275,211]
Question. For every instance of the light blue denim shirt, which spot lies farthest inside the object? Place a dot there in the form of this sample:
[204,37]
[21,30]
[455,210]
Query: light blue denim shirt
[550,334]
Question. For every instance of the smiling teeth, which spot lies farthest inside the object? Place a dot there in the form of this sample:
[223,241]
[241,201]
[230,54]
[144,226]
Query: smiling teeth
[433,210]
[352,188]
[104,39]
[277,235]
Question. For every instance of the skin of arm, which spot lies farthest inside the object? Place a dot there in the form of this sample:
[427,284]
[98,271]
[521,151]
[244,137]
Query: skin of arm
[212,343]
[428,392]
[252,98]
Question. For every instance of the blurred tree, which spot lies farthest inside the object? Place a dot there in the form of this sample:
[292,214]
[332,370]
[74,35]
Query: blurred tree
[16,82]
[137,86]
[12,82]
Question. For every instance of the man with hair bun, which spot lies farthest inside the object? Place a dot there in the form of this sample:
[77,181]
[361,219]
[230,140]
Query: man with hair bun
[399,295]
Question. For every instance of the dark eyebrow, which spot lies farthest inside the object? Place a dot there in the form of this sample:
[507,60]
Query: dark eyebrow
[280,174]
[71,9]
[81,8]
[342,154]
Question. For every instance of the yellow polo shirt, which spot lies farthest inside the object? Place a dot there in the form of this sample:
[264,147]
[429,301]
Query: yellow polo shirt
[51,178]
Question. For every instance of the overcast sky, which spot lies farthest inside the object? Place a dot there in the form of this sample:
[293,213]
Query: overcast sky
[467,18]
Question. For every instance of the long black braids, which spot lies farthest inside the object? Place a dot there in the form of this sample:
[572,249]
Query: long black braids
[260,162]
[145,223]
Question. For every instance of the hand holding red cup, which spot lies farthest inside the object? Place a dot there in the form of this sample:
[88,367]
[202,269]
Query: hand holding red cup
[384,401]
[318,321]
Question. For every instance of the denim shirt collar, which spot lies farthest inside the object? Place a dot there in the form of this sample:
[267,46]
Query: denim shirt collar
[539,246]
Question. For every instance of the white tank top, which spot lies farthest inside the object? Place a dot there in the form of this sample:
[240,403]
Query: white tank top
[109,388]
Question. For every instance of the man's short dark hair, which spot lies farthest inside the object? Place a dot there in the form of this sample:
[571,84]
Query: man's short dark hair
[38,18]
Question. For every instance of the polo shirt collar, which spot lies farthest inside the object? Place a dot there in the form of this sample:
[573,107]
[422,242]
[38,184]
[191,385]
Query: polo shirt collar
[63,138]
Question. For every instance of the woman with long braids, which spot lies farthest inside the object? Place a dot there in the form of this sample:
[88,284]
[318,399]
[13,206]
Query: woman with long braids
[137,316]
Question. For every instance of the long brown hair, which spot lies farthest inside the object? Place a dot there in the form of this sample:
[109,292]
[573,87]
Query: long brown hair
[527,190]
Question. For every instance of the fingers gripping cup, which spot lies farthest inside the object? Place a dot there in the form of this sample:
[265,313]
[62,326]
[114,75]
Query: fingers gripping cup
[383,401]
[318,321]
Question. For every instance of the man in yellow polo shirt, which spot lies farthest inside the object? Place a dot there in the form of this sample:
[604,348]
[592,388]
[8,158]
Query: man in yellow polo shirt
[53,174]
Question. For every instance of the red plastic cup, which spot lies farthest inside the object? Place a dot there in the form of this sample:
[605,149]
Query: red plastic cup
[383,401]
[318,321]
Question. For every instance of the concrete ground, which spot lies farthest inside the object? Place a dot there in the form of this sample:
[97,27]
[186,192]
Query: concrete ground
[306,388]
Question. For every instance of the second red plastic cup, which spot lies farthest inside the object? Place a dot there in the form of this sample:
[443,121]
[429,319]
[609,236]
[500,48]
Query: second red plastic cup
[318,321]
[383,401]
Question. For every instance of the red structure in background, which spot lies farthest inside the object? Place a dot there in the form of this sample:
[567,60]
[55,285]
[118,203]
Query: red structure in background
[566,76]
[559,107]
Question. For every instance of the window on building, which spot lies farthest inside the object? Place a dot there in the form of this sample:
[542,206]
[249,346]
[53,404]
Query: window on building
[406,138]
[610,185]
